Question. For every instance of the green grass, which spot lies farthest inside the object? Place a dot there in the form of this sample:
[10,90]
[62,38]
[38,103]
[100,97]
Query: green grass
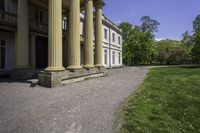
[168,101]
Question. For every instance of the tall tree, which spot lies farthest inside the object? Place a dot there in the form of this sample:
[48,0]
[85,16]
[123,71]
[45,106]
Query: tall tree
[137,48]
[196,23]
[196,39]
[149,24]
[126,29]
[187,39]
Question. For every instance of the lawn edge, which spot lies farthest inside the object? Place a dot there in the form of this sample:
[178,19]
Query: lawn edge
[116,128]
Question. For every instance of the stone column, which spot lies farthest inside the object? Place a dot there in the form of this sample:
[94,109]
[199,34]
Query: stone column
[74,36]
[98,36]
[88,47]
[22,40]
[55,36]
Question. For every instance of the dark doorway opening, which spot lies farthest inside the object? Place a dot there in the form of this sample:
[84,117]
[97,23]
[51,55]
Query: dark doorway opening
[41,52]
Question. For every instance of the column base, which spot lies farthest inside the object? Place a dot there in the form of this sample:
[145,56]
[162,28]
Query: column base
[99,66]
[88,66]
[23,73]
[54,69]
[73,68]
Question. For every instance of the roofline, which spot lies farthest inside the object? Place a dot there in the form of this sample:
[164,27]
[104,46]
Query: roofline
[112,24]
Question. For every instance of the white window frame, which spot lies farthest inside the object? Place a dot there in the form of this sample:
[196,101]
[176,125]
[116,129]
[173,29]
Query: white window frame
[119,40]
[113,37]
[105,34]
[106,57]
[119,54]
[113,57]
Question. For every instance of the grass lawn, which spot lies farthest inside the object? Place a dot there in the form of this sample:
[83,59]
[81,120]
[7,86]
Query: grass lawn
[168,101]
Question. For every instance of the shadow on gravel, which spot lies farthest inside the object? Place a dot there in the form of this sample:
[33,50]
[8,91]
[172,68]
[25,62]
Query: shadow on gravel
[7,79]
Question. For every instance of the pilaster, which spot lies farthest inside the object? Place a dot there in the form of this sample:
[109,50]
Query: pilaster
[22,40]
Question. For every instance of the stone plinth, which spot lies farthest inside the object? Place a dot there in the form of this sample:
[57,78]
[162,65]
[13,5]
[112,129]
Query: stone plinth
[53,79]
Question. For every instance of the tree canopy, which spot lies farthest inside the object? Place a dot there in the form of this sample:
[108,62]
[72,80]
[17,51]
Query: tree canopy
[149,24]
[140,46]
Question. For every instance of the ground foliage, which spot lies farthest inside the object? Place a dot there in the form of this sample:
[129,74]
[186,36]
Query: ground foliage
[168,102]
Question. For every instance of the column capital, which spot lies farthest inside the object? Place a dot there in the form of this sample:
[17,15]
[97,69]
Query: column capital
[99,4]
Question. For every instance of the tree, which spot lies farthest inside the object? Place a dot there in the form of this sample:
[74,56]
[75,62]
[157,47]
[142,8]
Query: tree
[137,48]
[149,24]
[138,41]
[196,47]
[196,23]
[196,40]
[187,39]
[172,52]
[126,29]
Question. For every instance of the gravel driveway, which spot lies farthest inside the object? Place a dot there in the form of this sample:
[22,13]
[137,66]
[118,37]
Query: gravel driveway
[84,107]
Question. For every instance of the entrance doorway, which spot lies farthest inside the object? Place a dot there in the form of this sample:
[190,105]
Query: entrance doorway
[41,52]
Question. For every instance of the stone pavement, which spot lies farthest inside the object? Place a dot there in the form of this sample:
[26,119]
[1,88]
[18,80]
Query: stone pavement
[84,107]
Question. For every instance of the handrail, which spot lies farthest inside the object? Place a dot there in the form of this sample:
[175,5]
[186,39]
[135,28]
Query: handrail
[7,18]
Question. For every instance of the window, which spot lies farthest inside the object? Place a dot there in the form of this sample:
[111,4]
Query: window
[113,36]
[64,23]
[119,58]
[105,34]
[41,17]
[113,57]
[105,57]
[2,5]
[3,54]
[119,40]
[3,8]
[38,16]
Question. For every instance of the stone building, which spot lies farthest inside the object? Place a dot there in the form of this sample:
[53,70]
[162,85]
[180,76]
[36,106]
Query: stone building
[59,39]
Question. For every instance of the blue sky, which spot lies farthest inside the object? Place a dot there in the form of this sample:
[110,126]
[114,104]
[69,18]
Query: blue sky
[175,16]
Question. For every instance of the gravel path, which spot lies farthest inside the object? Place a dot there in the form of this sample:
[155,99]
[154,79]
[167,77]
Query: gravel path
[84,107]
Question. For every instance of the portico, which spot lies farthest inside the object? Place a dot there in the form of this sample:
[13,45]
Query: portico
[55,73]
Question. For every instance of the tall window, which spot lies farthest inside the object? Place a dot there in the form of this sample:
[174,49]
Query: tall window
[41,17]
[105,34]
[38,16]
[2,5]
[113,57]
[119,40]
[119,58]
[3,54]
[105,57]
[113,36]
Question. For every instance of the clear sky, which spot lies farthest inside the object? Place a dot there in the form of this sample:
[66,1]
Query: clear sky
[175,16]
